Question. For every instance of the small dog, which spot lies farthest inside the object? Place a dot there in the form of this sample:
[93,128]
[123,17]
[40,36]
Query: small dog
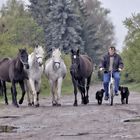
[124,91]
[99,96]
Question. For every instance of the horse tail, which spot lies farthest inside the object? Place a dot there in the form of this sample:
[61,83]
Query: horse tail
[1,88]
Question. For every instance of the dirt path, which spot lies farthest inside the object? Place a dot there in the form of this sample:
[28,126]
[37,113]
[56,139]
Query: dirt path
[90,122]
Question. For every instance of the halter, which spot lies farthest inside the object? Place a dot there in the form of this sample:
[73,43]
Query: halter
[37,59]
[24,63]
[56,63]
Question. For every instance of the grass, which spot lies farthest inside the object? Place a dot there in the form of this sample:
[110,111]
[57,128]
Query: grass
[133,86]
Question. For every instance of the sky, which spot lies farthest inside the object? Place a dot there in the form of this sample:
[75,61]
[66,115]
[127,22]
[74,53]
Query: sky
[119,10]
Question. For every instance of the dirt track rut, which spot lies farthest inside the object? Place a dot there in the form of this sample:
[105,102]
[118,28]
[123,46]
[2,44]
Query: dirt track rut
[85,122]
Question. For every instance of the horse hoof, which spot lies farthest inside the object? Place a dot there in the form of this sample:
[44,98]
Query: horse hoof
[75,104]
[37,105]
[6,103]
[87,101]
[29,104]
[54,104]
[58,104]
[20,102]
[82,102]
[17,105]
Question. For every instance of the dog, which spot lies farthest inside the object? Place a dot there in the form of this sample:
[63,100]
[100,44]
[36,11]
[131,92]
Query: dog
[99,96]
[124,91]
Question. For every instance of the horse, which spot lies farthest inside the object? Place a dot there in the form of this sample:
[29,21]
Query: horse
[55,71]
[3,91]
[34,74]
[12,70]
[81,72]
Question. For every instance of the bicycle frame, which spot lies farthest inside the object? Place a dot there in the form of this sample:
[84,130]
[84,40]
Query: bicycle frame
[111,88]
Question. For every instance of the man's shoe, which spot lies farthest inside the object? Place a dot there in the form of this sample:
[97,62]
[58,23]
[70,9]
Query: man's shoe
[106,98]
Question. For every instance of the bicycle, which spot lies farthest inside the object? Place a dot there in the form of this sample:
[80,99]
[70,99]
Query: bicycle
[111,85]
[111,88]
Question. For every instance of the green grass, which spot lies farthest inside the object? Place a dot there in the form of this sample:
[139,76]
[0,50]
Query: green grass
[67,87]
[133,86]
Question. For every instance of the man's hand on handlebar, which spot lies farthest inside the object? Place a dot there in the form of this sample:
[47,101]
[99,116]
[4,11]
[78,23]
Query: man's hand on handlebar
[101,69]
[120,69]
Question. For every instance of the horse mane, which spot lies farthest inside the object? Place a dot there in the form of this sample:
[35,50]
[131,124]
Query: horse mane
[4,59]
[86,64]
[89,58]
[16,62]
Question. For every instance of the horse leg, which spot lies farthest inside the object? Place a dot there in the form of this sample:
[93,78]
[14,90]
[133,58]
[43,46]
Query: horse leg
[52,89]
[75,91]
[14,94]
[59,85]
[87,87]
[21,83]
[82,84]
[81,91]
[27,89]
[37,85]
[32,84]
[5,92]
[1,88]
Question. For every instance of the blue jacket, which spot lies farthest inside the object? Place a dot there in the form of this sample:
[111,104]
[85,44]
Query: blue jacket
[116,64]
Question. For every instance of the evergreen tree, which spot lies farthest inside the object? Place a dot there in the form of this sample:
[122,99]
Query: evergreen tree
[60,23]
[63,29]
[98,31]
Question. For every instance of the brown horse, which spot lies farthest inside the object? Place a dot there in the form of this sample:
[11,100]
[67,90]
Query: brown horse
[12,70]
[81,70]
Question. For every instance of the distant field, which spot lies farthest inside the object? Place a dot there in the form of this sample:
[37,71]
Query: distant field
[133,86]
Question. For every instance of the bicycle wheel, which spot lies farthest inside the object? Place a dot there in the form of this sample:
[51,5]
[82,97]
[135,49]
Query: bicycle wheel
[111,94]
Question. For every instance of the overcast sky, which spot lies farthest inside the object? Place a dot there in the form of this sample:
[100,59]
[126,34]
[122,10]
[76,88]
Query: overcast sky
[120,9]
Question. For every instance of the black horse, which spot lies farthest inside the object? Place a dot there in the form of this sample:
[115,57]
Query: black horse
[12,70]
[3,90]
[81,70]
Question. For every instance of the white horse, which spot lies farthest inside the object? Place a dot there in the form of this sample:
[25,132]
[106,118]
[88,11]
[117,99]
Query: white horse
[34,73]
[55,71]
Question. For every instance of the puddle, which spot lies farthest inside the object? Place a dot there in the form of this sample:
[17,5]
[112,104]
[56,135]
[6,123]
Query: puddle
[8,129]
[6,117]
[77,134]
[132,120]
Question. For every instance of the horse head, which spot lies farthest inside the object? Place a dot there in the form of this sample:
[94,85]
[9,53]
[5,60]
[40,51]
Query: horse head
[39,53]
[23,56]
[75,60]
[56,57]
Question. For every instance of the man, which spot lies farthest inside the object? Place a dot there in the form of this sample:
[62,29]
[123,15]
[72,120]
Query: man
[111,62]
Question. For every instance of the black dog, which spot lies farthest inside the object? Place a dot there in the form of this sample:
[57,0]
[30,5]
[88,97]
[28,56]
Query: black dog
[99,96]
[124,94]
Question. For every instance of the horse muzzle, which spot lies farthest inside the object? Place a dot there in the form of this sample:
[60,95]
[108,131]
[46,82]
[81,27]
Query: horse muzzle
[26,66]
[40,64]
[57,65]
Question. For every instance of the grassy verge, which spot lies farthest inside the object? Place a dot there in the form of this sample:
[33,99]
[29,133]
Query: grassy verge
[133,86]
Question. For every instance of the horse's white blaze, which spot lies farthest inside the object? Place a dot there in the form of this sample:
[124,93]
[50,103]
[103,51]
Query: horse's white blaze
[55,75]
[34,73]
[74,56]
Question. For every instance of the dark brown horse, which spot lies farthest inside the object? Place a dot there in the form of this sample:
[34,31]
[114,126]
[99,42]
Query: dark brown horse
[81,70]
[12,70]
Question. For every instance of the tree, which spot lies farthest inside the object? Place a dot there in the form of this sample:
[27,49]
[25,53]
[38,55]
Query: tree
[98,31]
[131,51]
[60,23]
[18,27]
